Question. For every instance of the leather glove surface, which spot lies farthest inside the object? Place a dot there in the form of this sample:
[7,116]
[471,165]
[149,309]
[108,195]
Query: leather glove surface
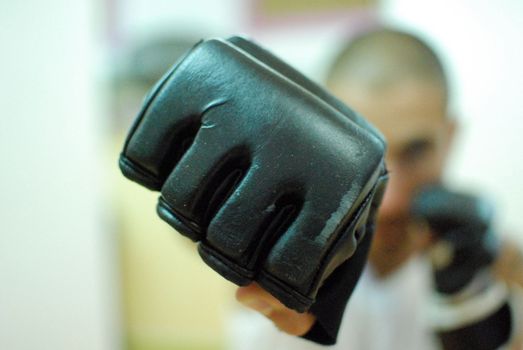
[276,179]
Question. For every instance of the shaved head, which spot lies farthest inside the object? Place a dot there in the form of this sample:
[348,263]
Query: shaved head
[381,58]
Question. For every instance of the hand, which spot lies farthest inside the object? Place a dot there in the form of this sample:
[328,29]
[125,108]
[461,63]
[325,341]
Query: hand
[287,320]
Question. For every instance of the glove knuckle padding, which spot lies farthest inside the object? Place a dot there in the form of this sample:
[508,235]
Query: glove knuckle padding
[274,177]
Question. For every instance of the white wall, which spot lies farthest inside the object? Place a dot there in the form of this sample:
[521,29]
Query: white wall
[56,265]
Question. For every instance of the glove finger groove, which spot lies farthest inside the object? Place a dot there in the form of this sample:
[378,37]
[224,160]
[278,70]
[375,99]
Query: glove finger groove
[202,181]
[287,208]
[182,140]
[240,224]
[261,229]
[220,187]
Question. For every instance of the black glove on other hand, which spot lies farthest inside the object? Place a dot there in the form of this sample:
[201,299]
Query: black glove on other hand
[463,223]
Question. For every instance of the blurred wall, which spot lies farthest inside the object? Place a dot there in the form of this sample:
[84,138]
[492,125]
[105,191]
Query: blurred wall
[57,263]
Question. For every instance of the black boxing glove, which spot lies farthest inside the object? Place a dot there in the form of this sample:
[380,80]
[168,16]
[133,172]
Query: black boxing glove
[471,307]
[463,224]
[277,179]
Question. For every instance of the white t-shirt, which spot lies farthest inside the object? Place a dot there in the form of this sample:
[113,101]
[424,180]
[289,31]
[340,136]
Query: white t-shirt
[382,314]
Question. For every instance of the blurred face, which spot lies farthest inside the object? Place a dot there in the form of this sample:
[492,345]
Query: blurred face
[412,116]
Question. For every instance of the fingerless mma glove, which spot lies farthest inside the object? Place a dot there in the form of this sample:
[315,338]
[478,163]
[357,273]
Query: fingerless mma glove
[276,179]
[477,315]
[464,223]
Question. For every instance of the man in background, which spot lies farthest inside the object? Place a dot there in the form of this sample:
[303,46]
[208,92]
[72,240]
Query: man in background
[398,83]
